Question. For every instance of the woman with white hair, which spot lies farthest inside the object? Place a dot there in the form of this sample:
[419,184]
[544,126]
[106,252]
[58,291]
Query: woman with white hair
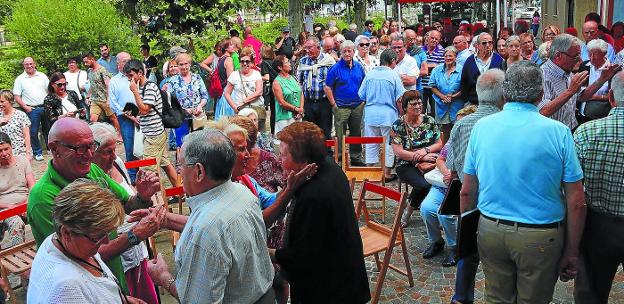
[598,106]
[363,45]
[512,45]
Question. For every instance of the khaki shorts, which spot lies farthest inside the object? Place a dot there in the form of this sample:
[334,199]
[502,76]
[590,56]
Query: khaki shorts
[156,147]
[99,107]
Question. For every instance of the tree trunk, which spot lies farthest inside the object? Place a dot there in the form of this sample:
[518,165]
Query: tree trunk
[359,9]
[295,17]
[395,9]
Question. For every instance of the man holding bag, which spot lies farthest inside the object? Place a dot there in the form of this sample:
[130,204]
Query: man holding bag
[150,104]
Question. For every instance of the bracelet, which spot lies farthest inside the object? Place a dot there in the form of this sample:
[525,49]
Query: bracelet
[169,282]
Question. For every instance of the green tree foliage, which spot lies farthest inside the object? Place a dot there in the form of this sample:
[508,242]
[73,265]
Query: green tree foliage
[52,31]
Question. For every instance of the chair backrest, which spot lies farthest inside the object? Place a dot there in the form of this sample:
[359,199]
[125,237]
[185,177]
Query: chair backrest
[351,140]
[395,231]
[333,143]
[177,192]
[147,162]
[13,211]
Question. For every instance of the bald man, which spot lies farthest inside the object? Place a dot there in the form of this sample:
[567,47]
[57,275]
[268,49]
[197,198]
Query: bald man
[329,45]
[591,32]
[417,53]
[463,52]
[72,146]
[119,95]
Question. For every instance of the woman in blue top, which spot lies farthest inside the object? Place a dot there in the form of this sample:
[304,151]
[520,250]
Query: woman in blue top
[445,84]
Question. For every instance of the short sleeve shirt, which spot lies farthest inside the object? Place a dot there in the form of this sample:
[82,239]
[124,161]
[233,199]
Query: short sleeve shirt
[32,89]
[151,123]
[14,128]
[410,138]
[408,66]
[97,80]
[245,85]
[13,186]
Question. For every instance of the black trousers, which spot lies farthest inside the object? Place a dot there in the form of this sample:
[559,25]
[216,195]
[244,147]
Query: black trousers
[320,113]
[412,176]
[602,251]
[428,102]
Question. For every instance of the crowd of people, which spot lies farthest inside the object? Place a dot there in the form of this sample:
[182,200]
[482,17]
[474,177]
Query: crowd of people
[533,133]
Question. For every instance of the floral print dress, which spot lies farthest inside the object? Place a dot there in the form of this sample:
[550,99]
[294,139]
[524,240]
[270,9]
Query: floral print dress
[410,138]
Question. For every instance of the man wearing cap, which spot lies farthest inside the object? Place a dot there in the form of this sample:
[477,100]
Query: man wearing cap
[285,44]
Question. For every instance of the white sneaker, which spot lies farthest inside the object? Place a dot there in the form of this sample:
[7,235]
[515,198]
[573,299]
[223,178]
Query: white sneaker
[39,157]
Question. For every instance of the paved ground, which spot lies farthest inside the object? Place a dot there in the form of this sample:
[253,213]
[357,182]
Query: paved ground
[433,283]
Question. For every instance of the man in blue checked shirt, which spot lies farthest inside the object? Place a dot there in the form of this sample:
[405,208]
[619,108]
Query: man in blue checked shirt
[311,75]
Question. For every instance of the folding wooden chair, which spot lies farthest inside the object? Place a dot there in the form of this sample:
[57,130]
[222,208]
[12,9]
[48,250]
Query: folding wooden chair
[377,238]
[17,259]
[370,173]
[333,143]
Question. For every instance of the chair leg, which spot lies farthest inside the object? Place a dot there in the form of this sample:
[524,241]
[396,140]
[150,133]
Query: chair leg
[408,267]
[377,262]
[382,275]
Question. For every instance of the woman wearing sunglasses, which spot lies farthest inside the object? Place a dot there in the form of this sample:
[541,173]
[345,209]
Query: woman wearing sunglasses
[244,88]
[362,55]
[59,103]
[68,267]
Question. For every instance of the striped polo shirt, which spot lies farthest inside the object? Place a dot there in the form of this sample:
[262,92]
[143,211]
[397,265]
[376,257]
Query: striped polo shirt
[151,123]
[437,57]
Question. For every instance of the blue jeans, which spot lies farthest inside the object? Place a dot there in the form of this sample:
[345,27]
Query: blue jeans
[127,133]
[433,220]
[35,121]
[465,279]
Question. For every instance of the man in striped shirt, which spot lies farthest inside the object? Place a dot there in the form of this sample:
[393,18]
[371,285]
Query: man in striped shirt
[435,56]
[149,101]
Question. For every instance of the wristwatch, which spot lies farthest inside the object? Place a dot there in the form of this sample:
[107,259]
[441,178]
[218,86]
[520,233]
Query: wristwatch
[132,238]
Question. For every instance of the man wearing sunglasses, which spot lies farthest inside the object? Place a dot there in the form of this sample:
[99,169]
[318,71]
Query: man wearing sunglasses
[72,146]
[483,60]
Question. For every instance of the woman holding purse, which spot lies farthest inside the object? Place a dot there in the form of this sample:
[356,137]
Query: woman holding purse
[415,140]
[244,88]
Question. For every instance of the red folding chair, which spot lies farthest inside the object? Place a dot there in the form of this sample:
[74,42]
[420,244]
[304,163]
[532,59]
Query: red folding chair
[17,259]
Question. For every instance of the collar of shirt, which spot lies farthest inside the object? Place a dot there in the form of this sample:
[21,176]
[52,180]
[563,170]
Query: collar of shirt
[198,200]
[519,106]
[343,63]
[617,111]
[554,70]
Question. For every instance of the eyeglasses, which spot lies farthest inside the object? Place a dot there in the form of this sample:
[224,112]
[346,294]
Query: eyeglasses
[81,150]
[96,241]
[364,44]
[575,57]
[60,84]
[415,103]
[485,43]
[245,61]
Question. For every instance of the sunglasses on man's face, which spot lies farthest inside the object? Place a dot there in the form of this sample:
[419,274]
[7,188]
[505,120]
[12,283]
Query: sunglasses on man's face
[485,43]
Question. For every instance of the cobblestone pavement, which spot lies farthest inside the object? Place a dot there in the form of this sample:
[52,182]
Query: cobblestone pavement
[432,282]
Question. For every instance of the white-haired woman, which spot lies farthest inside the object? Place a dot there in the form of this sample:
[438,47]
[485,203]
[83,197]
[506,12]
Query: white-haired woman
[514,50]
[363,44]
[134,260]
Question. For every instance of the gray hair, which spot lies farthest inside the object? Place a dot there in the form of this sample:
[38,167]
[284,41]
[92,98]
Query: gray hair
[480,36]
[543,49]
[598,44]
[348,44]
[103,133]
[523,82]
[213,150]
[317,42]
[359,39]
[450,48]
[387,56]
[511,39]
[617,86]
[489,86]
[561,44]
[398,38]
[353,26]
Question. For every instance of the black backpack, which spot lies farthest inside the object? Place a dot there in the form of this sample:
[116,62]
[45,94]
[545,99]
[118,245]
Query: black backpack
[172,113]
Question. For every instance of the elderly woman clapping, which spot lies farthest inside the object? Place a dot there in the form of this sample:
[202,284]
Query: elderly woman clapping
[68,267]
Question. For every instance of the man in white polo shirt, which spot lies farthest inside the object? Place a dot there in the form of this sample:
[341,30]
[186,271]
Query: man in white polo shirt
[30,89]
[406,66]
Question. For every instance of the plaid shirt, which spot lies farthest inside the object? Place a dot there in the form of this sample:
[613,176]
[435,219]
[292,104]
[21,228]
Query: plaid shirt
[600,146]
[460,134]
[318,81]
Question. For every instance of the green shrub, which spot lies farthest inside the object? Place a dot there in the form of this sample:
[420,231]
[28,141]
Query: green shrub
[52,31]
[10,66]
[267,32]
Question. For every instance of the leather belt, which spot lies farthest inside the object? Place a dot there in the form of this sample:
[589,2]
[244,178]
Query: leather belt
[525,225]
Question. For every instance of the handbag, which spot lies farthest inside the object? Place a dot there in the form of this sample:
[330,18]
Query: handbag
[137,149]
[199,122]
[435,178]
[172,114]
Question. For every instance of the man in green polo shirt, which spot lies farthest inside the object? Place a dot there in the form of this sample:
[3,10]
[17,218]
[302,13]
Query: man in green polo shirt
[72,146]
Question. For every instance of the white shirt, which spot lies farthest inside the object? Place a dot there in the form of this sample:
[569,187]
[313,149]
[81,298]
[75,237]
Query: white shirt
[67,105]
[248,84]
[408,66]
[55,278]
[373,61]
[76,80]
[594,74]
[32,89]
